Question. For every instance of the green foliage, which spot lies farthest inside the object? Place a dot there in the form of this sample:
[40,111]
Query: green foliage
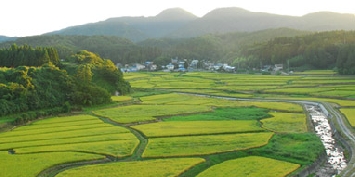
[91,69]
[300,148]
[30,88]
[49,88]
[27,56]
[225,47]
[323,50]
[346,59]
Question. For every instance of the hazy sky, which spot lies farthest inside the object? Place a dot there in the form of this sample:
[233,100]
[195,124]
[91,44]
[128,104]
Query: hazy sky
[35,17]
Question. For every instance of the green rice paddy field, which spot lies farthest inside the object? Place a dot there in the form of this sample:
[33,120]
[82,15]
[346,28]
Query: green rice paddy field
[174,131]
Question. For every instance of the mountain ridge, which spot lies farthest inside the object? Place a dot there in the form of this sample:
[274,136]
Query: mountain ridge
[178,23]
[232,19]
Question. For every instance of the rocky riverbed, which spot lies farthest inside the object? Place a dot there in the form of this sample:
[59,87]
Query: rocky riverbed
[336,161]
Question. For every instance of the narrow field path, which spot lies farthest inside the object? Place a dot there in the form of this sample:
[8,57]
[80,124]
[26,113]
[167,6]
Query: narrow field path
[143,141]
[54,170]
[137,154]
[342,126]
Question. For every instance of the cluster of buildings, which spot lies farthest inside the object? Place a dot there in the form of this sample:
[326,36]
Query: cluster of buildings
[183,65]
[178,66]
[135,67]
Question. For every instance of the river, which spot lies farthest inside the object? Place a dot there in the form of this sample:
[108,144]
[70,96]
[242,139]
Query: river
[336,162]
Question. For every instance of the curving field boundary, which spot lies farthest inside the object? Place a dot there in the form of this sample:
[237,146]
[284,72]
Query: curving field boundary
[341,125]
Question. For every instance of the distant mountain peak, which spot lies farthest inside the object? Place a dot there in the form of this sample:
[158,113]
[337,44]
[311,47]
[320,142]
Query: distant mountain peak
[176,14]
[176,22]
[225,11]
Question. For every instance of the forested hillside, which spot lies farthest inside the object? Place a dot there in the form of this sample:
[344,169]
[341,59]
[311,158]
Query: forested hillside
[177,23]
[325,50]
[216,48]
[134,28]
[27,56]
[246,50]
[47,87]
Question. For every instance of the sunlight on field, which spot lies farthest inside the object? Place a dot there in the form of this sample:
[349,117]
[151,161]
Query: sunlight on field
[165,121]
[72,133]
[252,166]
[317,72]
[138,113]
[224,114]
[311,83]
[121,98]
[300,148]
[286,122]
[276,106]
[147,168]
[350,115]
[187,99]
[178,128]
[298,90]
[338,93]
[198,145]
[27,165]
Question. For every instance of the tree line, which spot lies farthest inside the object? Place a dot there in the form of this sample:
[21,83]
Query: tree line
[325,50]
[300,49]
[35,91]
[27,56]
[212,47]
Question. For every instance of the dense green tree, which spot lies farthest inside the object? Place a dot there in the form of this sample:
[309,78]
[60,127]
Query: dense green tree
[267,47]
[84,74]
[346,59]
[98,72]
[34,88]
[27,56]
[313,51]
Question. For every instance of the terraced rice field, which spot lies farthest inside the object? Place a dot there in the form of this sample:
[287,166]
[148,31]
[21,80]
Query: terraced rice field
[184,128]
[82,133]
[58,140]
[148,168]
[180,99]
[350,114]
[141,113]
[169,133]
[203,145]
[32,164]
[246,167]
[286,122]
